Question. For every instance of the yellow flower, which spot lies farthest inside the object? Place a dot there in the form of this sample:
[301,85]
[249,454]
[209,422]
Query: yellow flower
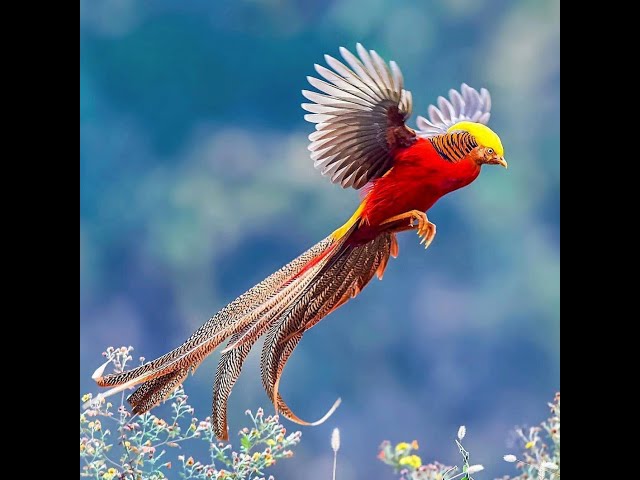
[91,424]
[271,442]
[402,447]
[412,461]
[127,444]
[255,456]
[268,460]
[109,474]
[82,447]
[529,445]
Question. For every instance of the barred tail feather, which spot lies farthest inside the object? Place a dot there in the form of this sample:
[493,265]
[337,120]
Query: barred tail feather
[240,343]
[227,373]
[261,318]
[284,306]
[335,286]
[285,334]
[204,340]
[151,393]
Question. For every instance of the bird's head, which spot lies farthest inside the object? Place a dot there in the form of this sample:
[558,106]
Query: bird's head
[490,149]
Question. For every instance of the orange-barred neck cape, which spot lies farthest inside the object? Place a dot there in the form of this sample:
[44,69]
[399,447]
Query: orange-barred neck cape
[361,141]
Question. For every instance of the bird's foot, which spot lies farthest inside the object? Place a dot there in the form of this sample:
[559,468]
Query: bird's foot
[418,220]
[425,229]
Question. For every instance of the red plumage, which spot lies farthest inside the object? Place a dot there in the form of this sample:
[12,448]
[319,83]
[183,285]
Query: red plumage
[419,177]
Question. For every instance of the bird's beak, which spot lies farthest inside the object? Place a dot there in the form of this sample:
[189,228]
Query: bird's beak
[503,162]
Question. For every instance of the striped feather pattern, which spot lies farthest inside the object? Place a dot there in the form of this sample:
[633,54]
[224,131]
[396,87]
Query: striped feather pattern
[359,117]
[241,342]
[227,373]
[343,280]
[284,305]
[454,146]
[150,394]
[216,329]
[160,373]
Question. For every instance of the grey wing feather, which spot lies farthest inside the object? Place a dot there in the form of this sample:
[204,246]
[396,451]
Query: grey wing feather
[359,113]
[469,104]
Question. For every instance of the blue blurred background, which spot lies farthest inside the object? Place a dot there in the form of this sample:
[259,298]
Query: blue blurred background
[196,184]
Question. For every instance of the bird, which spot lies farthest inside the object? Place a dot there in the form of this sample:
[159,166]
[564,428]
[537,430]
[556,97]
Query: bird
[361,141]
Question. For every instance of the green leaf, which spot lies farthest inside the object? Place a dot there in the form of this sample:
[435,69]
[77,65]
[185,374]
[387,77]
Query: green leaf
[246,443]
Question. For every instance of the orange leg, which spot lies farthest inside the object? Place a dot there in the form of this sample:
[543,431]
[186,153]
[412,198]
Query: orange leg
[425,229]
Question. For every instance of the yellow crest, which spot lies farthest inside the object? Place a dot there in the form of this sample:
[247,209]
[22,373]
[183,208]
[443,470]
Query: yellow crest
[483,134]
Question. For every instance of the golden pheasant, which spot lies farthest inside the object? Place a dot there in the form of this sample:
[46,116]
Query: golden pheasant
[361,141]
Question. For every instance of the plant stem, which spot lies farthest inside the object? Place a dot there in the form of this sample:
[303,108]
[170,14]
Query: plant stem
[335,461]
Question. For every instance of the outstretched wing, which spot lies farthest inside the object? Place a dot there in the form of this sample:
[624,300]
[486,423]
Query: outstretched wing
[360,117]
[468,104]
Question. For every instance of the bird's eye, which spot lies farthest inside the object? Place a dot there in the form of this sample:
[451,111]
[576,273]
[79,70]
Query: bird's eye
[490,151]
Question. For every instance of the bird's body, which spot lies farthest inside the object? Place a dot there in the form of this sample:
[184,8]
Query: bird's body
[361,141]
[419,178]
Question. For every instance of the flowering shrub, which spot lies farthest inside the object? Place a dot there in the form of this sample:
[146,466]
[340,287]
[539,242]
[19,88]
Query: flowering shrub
[410,467]
[541,457]
[116,445]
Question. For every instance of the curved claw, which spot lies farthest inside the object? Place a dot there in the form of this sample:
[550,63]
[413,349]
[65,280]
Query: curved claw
[425,229]
[427,234]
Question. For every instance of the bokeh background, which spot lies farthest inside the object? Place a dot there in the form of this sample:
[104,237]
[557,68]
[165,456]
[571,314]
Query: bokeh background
[196,184]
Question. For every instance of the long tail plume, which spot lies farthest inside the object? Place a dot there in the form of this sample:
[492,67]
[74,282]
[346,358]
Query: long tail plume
[284,306]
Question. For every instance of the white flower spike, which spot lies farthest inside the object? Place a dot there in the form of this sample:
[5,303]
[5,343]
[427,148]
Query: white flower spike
[335,439]
[335,446]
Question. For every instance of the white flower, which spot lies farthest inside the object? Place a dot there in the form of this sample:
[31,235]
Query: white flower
[474,469]
[335,439]
[549,465]
[510,458]
[462,431]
